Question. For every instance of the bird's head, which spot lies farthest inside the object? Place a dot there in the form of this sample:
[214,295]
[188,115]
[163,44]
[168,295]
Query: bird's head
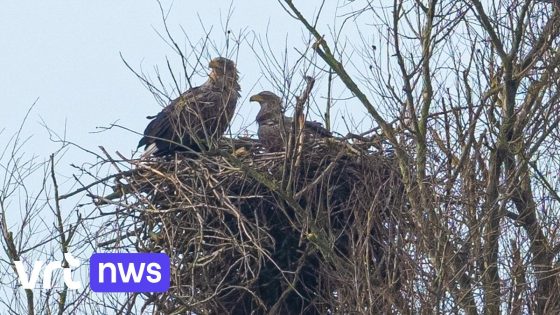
[271,105]
[222,66]
[266,97]
[224,73]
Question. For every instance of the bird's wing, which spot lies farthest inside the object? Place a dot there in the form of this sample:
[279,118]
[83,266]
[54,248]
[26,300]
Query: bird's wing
[317,128]
[162,123]
[312,126]
[157,128]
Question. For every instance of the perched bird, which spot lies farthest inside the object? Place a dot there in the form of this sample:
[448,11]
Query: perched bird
[274,126]
[197,117]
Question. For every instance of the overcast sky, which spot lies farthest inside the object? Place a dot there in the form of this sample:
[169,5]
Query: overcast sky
[66,55]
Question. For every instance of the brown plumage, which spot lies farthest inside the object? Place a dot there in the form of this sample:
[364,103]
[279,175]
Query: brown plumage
[198,117]
[274,126]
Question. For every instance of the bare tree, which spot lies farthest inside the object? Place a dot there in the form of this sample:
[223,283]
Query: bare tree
[447,202]
[475,86]
[35,226]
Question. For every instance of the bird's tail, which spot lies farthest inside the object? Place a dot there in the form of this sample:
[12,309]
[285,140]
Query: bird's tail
[150,150]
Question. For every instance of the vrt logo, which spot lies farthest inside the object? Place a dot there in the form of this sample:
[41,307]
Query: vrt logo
[28,282]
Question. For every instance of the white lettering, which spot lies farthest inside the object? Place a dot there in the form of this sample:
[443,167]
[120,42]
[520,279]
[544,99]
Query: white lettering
[155,275]
[113,270]
[75,263]
[131,272]
[28,282]
[47,273]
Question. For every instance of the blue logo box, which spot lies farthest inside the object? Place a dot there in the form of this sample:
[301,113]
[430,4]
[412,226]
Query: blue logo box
[129,272]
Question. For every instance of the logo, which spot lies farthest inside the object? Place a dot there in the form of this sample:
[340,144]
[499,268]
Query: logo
[29,282]
[138,272]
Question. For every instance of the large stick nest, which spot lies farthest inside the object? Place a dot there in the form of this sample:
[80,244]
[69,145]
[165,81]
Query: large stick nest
[315,231]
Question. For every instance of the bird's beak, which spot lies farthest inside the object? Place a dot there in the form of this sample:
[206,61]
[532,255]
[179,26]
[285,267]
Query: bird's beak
[255,98]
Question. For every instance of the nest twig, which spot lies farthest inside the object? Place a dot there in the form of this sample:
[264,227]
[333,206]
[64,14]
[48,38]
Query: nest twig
[240,243]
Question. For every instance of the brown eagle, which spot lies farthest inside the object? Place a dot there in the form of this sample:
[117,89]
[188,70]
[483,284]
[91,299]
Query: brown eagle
[197,117]
[274,126]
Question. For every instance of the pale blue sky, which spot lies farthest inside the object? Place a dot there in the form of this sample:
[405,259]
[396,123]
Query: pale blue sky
[66,54]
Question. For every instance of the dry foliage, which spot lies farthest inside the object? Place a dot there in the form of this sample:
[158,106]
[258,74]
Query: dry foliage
[245,235]
[461,218]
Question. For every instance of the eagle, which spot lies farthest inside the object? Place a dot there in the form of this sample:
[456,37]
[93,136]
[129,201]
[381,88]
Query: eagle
[197,117]
[274,126]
